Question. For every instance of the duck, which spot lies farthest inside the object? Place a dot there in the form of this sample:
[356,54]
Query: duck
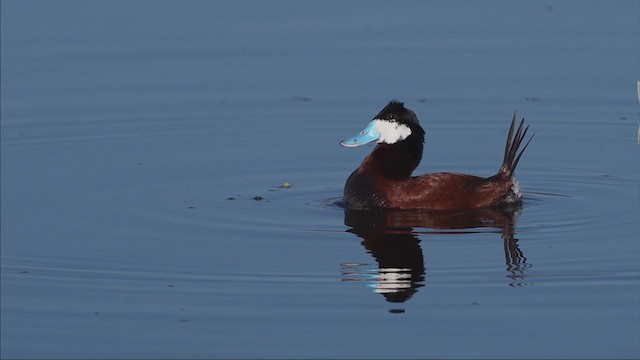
[384,179]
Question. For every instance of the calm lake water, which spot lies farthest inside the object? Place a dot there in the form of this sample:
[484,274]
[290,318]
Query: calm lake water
[146,147]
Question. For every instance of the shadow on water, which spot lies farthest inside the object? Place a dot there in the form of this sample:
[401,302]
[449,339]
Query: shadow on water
[391,237]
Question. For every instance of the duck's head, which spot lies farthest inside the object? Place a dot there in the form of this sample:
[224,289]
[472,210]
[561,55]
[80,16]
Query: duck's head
[393,124]
[400,141]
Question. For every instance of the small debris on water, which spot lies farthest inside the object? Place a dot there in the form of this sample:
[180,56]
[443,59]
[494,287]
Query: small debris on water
[286,185]
[231,198]
[258,198]
[301,98]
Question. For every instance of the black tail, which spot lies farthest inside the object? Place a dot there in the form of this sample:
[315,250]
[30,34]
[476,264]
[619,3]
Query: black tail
[511,154]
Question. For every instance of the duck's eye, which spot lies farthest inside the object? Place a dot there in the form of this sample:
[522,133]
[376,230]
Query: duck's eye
[391,117]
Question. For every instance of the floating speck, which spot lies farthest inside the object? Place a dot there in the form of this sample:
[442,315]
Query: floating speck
[301,98]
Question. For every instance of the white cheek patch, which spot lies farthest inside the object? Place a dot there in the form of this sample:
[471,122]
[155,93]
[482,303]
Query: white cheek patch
[391,131]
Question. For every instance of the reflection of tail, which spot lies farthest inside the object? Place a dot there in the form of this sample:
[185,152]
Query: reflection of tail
[514,257]
[511,154]
[516,262]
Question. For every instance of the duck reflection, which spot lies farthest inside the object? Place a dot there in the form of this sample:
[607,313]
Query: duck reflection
[389,236]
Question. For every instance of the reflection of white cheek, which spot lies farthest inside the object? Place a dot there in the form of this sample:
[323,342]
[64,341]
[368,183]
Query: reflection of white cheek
[392,280]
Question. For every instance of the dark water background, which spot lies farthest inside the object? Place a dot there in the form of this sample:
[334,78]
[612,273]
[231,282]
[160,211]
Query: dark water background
[145,148]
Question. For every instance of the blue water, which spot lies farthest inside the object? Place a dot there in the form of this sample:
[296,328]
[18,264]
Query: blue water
[145,148]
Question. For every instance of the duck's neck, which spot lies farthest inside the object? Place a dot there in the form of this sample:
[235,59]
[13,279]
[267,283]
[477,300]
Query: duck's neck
[395,161]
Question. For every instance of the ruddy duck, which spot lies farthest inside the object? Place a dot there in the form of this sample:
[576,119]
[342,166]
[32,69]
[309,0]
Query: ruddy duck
[384,179]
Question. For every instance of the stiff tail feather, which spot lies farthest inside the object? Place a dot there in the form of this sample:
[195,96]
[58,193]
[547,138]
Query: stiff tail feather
[511,154]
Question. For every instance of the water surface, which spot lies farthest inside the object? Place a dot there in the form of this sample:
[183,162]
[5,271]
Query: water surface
[145,148]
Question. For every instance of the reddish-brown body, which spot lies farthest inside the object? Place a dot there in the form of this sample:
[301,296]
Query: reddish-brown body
[372,185]
[384,180]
